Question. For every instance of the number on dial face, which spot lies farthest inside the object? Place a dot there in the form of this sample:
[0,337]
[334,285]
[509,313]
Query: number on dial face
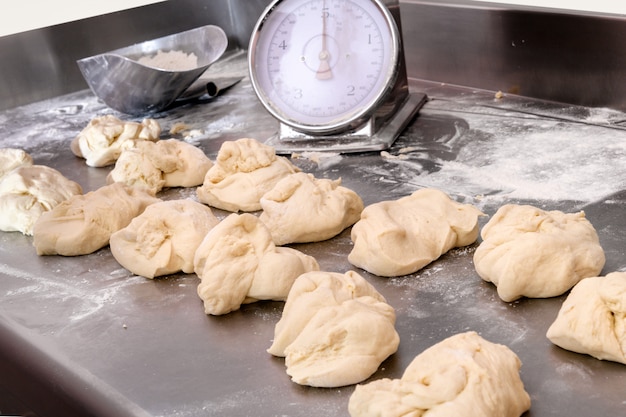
[324,60]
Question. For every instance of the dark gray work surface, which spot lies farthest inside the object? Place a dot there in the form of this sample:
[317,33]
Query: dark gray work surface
[96,338]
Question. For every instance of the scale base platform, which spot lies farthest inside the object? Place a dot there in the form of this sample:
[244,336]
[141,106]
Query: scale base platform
[352,142]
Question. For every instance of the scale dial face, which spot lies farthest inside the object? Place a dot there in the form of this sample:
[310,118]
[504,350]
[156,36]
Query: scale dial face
[320,66]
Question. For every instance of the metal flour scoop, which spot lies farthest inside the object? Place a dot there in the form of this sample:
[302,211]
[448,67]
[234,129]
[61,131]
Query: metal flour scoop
[126,85]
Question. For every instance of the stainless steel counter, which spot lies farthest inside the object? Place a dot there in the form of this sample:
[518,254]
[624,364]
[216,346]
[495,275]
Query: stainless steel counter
[83,336]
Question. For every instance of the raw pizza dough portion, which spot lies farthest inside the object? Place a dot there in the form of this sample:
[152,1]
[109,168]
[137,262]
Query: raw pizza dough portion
[84,223]
[155,165]
[592,320]
[302,208]
[335,330]
[238,263]
[463,375]
[28,191]
[244,170]
[101,141]
[399,237]
[163,239]
[11,158]
[534,253]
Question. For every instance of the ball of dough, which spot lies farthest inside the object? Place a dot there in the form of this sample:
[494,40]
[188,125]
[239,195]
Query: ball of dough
[84,223]
[155,165]
[191,167]
[592,320]
[244,170]
[463,375]
[101,141]
[135,169]
[301,208]
[29,191]
[530,252]
[11,158]
[163,239]
[237,263]
[399,237]
[335,330]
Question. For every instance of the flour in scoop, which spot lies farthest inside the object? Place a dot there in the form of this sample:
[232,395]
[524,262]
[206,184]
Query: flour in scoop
[171,60]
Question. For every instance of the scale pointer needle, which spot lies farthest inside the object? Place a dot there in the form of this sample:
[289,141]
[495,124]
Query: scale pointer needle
[323,71]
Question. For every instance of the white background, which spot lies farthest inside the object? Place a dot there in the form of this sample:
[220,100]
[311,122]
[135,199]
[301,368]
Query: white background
[604,6]
[21,15]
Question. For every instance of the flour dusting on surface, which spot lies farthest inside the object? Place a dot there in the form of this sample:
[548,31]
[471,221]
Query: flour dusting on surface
[517,159]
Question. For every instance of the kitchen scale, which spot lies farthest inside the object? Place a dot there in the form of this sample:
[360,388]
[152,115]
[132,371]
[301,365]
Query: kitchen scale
[332,72]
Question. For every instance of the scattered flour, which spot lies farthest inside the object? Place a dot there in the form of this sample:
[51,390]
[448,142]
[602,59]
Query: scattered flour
[264,398]
[520,160]
[78,296]
[324,160]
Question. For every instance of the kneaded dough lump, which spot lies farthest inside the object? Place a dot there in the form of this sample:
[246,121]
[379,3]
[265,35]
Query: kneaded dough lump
[11,158]
[463,375]
[592,320]
[27,192]
[335,330]
[238,263]
[84,223]
[301,208]
[163,239]
[155,165]
[100,142]
[399,237]
[534,253]
[244,170]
